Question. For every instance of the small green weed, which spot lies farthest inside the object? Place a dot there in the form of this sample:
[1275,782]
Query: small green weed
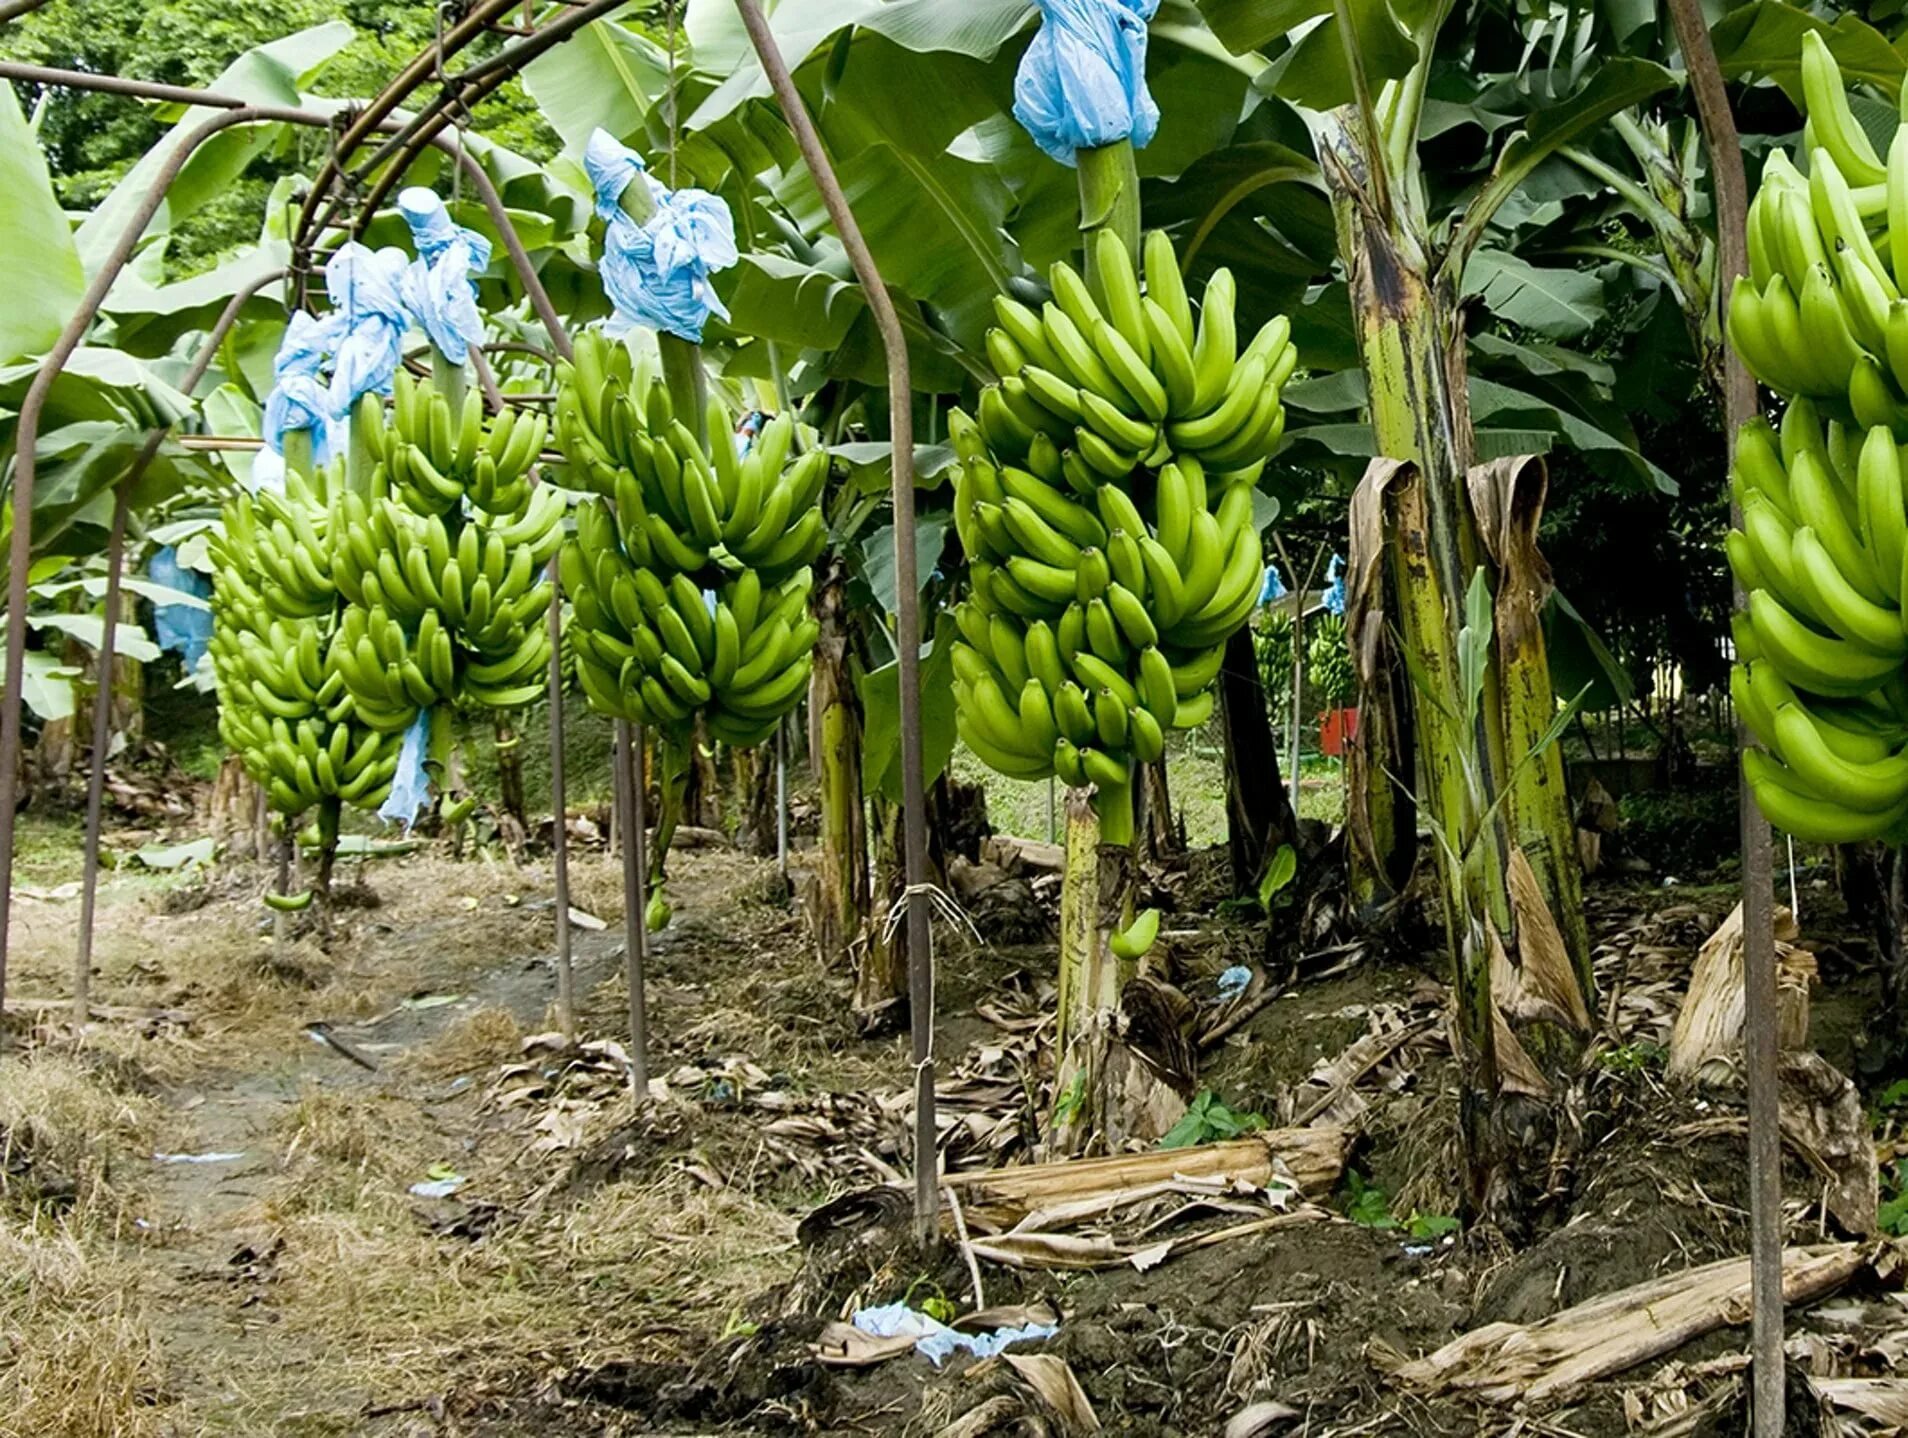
[1367,1203]
[1209,1119]
[1634,1058]
[1892,1216]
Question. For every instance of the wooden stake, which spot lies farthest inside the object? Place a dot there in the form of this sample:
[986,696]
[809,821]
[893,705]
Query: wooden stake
[1758,866]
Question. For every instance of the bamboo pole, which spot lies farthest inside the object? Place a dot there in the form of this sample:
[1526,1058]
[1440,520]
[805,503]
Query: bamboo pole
[908,616]
[1758,880]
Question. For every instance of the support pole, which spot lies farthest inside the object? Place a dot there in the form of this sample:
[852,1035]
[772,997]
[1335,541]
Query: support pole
[1758,878]
[908,616]
[628,781]
[559,807]
[102,699]
[102,736]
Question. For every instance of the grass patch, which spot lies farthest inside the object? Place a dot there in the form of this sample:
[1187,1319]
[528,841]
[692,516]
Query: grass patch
[76,1343]
[48,848]
[477,1041]
[69,1143]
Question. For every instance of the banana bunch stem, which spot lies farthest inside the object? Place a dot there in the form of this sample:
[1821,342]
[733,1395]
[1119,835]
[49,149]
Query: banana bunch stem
[683,372]
[330,809]
[1109,198]
[297,445]
[451,380]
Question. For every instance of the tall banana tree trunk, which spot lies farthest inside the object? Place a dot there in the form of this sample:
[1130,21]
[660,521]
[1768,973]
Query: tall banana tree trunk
[1432,524]
[839,900]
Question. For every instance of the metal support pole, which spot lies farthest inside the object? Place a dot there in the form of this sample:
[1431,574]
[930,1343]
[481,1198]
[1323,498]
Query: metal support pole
[559,807]
[102,736]
[1758,878]
[627,761]
[908,616]
[33,404]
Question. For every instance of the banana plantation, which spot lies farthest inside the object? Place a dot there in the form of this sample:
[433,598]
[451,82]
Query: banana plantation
[953,717]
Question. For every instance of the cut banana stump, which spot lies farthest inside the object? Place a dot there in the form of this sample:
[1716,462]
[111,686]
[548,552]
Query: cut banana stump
[1105,502]
[689,573]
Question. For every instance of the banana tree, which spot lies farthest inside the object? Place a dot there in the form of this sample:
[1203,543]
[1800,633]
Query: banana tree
[1433,527]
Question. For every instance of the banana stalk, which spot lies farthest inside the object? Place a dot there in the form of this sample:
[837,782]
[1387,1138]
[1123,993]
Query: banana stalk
[682,367]
[1109,198]
[451,380]
[329,809]
[1470,748]
[1097,889]
[298,453]
[881,979]
[842,899]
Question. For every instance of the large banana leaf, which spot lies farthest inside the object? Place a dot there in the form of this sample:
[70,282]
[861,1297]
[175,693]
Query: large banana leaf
[1763,40]
[1559,304]
[881,708]
[606,75]
[40,276]
[271,75]
[973,28]
[935,229]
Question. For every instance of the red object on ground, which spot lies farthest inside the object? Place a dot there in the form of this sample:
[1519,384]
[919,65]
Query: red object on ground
[1337,729]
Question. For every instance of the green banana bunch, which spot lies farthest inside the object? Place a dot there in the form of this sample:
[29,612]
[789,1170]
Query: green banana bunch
[1823,552]
[1821,312]
[685,507]
[442,606]
[284,708]
[1130,377]
[435,455]
[1090,630]
[659,652]
[283,541]
[1104,500]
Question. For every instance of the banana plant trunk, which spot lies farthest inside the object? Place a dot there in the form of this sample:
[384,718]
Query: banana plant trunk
[1497,820]
[1259,817]
[840,900]
[881,968]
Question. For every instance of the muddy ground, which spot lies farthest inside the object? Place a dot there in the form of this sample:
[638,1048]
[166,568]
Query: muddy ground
[207,1222]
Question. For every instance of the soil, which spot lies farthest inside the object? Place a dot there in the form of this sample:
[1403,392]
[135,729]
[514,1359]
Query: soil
[609,1271]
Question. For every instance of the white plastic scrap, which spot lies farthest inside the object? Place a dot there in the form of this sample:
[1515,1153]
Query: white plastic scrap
[934,1340]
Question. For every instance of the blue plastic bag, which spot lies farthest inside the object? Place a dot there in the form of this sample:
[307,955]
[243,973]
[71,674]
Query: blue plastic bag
[366,290]
[1335,585]
[935,1341]
[1274,587]
[439,288]
[410,786]
[299,399]
[1082,82]
[657,274]
[180,628]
